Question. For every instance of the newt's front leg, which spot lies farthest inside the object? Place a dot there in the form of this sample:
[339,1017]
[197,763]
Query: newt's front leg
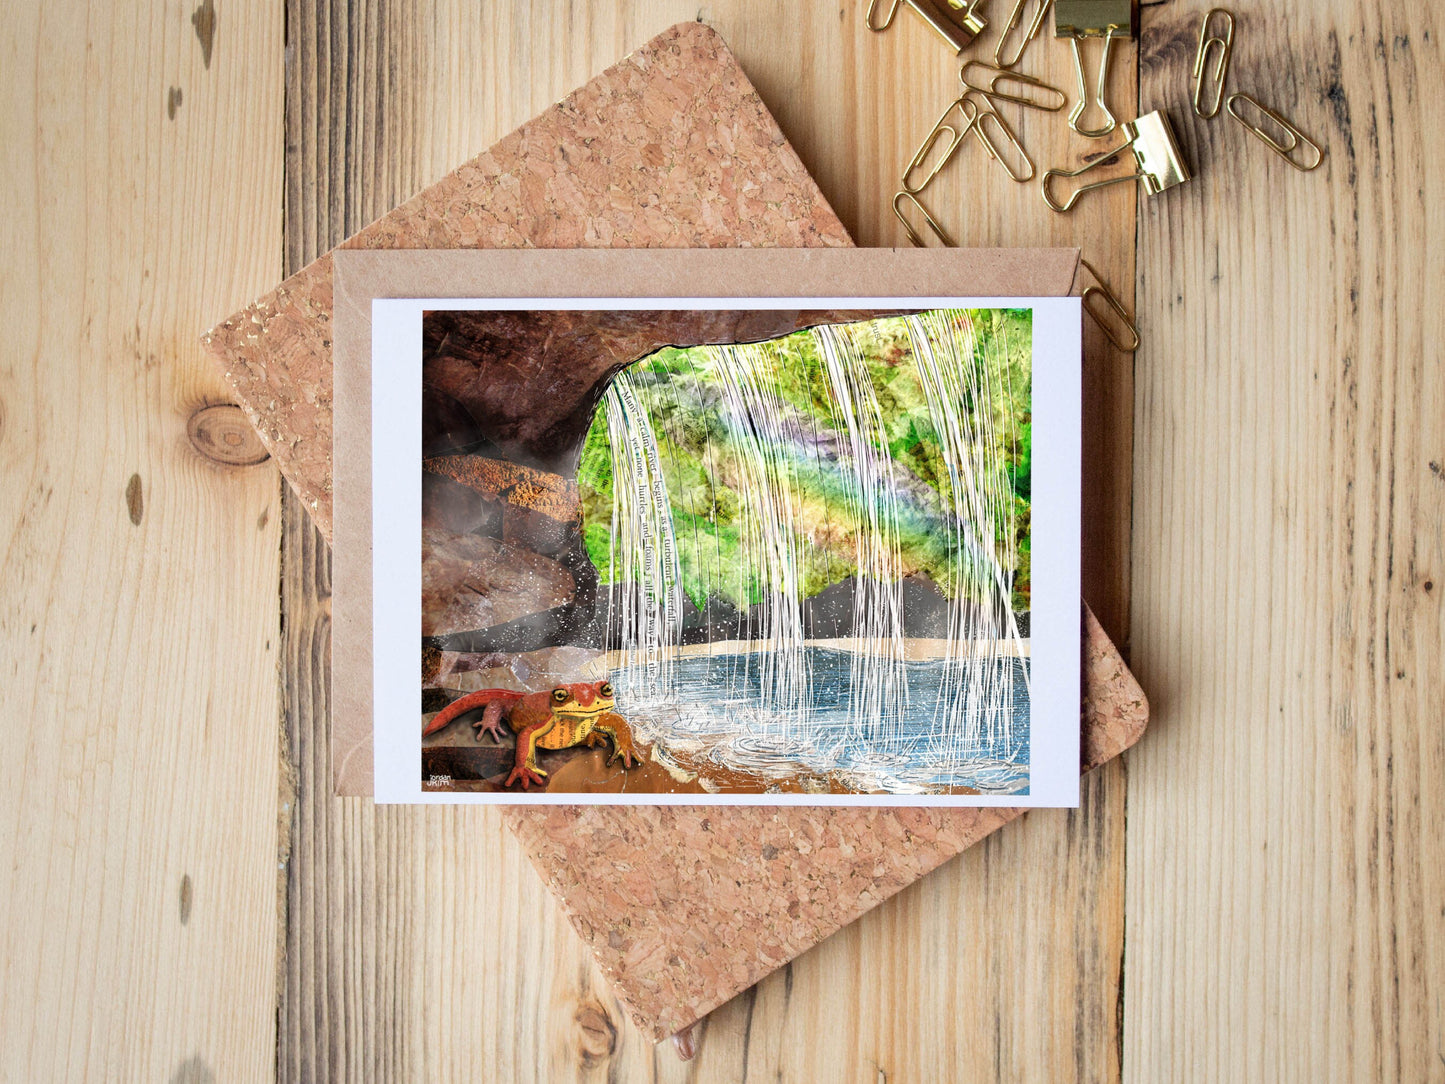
[526,769]
[616,728]
[490,722]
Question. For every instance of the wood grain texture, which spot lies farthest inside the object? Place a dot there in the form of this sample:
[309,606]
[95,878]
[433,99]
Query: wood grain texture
[1285,868]
[328,880]
[138,607]
[1285,873]
[385,973]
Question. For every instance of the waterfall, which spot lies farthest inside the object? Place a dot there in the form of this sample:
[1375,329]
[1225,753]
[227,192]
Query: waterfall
[744,478]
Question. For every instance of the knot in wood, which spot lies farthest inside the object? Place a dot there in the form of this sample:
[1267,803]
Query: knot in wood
[596,1034]
[222,434]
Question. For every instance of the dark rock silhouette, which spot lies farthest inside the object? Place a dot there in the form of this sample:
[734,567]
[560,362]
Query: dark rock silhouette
[528,383]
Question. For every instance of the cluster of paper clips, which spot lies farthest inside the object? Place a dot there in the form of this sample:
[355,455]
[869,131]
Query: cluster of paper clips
[1158,163]
[1282,135]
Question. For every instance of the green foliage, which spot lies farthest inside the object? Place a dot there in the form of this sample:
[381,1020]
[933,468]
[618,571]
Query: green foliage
[594,481]
[1021,464]
[702,458]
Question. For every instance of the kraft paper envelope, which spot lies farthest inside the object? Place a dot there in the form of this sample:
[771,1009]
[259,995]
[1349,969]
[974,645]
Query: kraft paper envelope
[362,276]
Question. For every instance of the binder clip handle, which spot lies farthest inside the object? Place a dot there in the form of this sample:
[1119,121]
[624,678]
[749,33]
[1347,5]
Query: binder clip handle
[1068,205]
[1107,19]
[1101,86]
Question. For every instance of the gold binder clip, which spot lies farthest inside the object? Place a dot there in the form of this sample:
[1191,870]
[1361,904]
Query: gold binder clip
[913,235]
[1051,99]
[949,126]
[988,115]
[1015,20]
[957,24]
[1285,149]
[1101,289]
[1107,19]
[1156,155]
[1221,47]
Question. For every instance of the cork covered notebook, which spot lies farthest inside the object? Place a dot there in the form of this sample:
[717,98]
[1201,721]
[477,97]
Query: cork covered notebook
[682,907]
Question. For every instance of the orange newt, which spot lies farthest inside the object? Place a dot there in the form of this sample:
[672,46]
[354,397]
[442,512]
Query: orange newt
[568,716]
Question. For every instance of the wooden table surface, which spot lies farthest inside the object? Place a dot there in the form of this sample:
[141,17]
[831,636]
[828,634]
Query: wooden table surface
[1257,893]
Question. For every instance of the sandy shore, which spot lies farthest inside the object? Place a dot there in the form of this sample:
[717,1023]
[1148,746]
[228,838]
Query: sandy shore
[468,765]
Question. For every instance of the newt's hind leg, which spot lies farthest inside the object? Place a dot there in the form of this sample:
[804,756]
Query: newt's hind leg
[526,769]
[616,728]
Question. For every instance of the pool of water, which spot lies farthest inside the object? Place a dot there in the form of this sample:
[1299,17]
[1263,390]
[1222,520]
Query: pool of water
[928,725]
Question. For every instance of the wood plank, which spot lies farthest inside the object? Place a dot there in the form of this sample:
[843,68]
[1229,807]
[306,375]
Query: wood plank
[328,878]
[1286,813]
[381,902]
[138,612]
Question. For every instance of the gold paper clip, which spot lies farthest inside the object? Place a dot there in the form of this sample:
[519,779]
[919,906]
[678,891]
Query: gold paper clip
[1222,47]
[1015,20]
[1107,19]
[988,113]
[913,235]
[1051,100]
[1102,290]
[954,129]
[956,24]
[1156,154]
[1294,135]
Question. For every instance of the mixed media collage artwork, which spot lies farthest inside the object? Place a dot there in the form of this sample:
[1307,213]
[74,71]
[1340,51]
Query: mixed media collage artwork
[763,555]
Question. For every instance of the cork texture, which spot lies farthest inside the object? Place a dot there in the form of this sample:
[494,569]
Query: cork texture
[669,148]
